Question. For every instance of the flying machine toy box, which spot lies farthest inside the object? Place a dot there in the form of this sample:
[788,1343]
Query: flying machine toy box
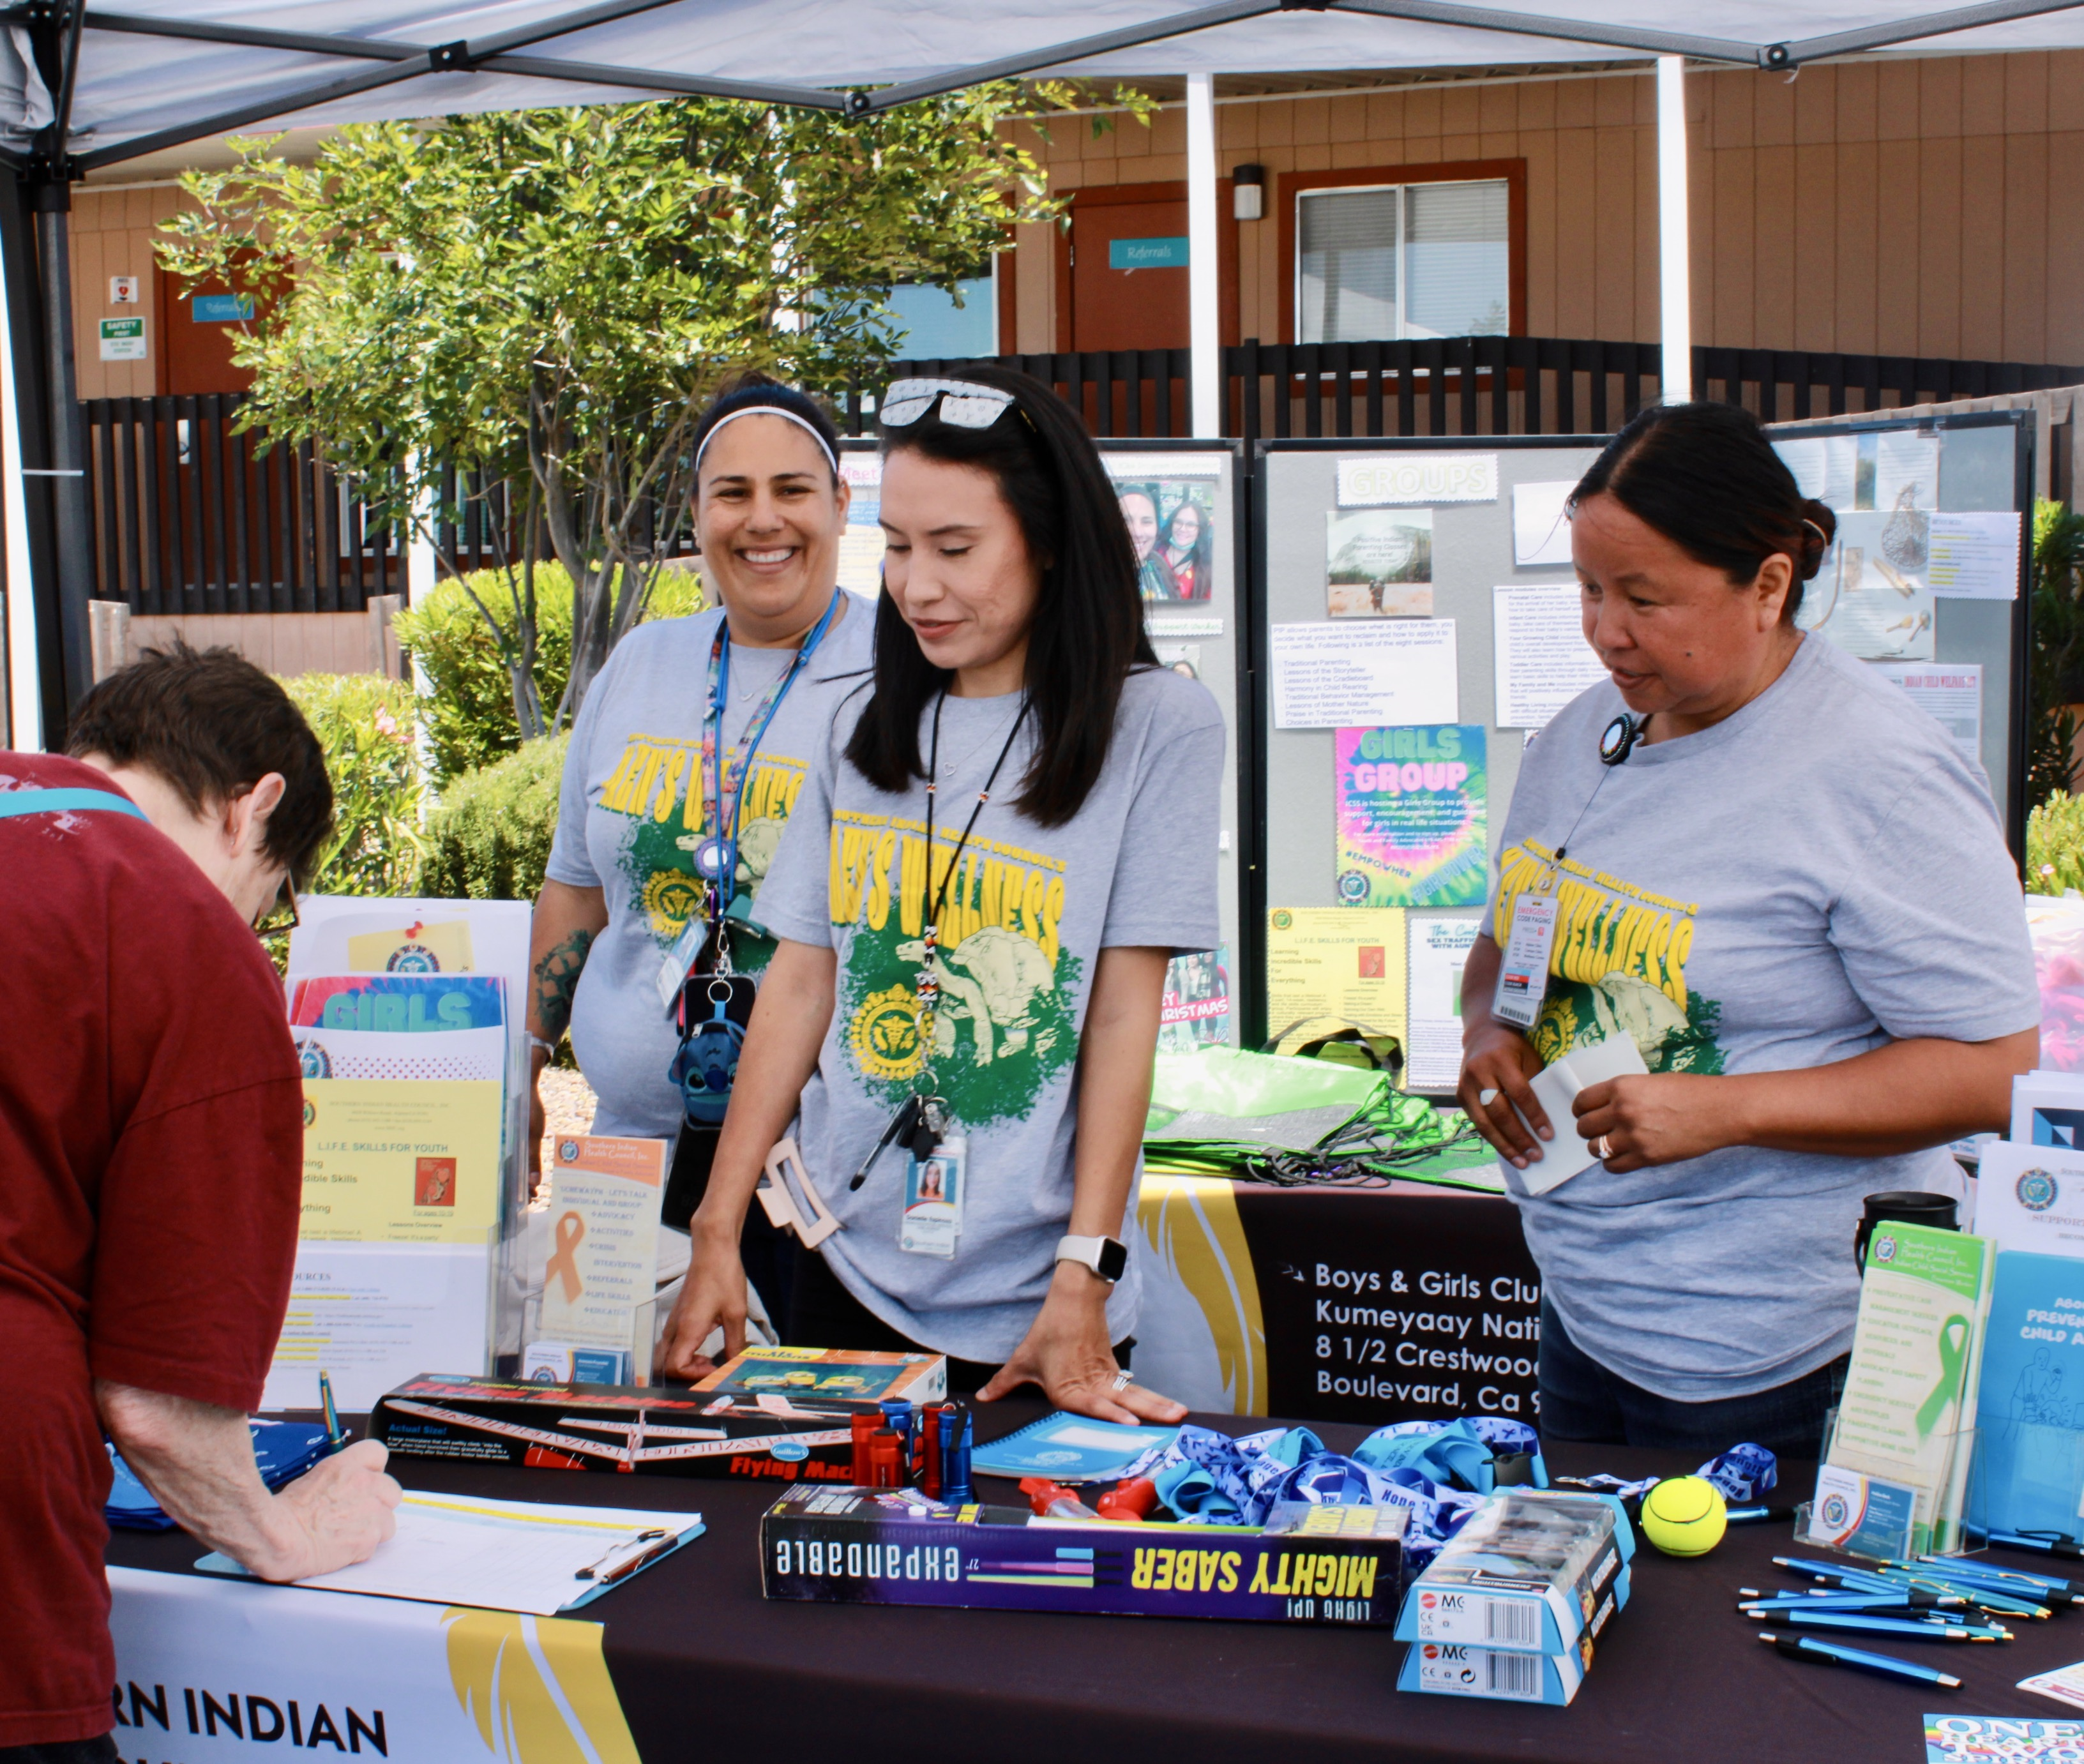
[654,1430]
[1528,1573]
[1309,1564]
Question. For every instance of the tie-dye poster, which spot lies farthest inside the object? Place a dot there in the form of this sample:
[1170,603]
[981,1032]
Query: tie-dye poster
[1411,816]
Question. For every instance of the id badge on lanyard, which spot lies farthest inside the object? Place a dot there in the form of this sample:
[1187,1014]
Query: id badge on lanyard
[932,1222]
[1523,980]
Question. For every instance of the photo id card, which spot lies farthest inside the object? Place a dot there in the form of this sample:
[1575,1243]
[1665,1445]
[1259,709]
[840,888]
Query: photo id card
[1523,980]
[932,1218]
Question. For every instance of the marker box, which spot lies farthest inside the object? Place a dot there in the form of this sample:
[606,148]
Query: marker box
[1448,1668]
[886,1546]
[653,1430]
[1528,1573]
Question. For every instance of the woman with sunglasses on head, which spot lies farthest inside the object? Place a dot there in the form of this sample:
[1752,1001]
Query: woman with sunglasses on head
[685,760]
[994,1009]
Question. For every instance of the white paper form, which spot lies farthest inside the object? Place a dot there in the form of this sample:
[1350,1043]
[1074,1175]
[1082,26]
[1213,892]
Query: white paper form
[1975,556]
[1540,651]
[1541,526]
[1951,691]
[1360,675]
[372,1315]
[504,1555]
[1437,951]
[1824,466]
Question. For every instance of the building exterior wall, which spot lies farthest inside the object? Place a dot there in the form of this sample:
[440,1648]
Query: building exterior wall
[1928,206]
[113,232]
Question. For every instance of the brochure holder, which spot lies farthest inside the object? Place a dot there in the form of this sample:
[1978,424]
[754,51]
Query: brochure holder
[1883,1518]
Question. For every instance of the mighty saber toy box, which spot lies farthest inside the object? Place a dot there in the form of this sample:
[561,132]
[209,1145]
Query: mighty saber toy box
[1309,1564]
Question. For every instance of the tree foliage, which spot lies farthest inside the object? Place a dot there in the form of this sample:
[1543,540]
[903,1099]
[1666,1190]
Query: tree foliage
[2056,614]
[545,299]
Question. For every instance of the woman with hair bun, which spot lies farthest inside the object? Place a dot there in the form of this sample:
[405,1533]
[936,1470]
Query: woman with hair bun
[1779,879]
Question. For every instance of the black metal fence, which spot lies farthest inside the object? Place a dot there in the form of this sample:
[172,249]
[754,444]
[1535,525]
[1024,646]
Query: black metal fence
[1481,386]
[191,516]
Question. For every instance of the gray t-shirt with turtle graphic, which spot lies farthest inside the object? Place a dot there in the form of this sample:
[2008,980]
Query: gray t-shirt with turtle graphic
[1030,908]
[632,809]
[1813,877]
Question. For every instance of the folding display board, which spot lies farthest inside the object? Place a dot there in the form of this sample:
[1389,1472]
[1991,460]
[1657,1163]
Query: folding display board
[1181,500]
[1416,618]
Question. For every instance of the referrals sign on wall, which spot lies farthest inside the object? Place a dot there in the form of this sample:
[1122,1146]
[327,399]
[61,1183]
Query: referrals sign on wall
[205,1669]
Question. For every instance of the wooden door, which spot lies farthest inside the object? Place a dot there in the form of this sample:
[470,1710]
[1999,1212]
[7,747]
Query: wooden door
[1129,275]
[196,332]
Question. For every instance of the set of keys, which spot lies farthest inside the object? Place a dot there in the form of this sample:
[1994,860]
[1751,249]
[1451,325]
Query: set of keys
[920,1125]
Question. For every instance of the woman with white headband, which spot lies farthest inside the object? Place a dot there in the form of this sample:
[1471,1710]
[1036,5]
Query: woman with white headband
[685,761]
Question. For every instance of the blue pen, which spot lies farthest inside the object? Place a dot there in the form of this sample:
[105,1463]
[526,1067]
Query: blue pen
[336,1434]
[1865,1623]
[2019,1578]
[1830,1653]
[1910,1599]
[1746,1516]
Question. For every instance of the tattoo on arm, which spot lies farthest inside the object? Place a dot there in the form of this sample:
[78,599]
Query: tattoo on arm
[557,979]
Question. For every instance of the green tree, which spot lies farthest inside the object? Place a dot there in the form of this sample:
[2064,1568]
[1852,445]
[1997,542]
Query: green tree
[545,299]
[2056,616]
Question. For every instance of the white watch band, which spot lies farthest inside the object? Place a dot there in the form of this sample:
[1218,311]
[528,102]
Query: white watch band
[1103,1255]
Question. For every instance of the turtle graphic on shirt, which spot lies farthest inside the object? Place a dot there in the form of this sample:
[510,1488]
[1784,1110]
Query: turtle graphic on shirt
[992,980]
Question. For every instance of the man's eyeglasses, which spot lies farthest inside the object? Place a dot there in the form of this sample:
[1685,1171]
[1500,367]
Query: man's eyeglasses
[281,918]
[963,402]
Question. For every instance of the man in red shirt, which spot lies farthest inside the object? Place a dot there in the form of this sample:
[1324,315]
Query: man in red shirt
[150,1163]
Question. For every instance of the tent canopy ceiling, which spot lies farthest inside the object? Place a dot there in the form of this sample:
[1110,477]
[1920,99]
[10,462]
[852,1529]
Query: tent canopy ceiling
[152,73]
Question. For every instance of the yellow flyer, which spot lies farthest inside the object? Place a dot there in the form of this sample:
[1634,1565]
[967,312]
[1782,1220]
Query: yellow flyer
[1345,964]
[400,1161]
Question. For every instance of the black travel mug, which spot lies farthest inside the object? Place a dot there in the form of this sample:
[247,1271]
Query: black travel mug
[1910,1207]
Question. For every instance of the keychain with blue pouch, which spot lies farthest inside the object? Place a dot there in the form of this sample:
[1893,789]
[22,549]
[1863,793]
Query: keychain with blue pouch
[282,1452]
[714,1012]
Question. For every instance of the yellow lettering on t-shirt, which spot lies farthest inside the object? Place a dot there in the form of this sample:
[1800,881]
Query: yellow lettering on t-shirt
[879,876]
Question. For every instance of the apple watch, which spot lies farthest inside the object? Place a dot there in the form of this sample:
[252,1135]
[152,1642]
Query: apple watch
[1104,1256]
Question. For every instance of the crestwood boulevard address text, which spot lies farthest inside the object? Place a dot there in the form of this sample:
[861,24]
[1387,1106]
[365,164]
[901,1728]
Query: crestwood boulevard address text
[1346,1304]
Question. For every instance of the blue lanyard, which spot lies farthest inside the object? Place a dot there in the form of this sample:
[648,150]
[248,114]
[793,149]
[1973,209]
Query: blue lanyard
[719,779]
[65,801]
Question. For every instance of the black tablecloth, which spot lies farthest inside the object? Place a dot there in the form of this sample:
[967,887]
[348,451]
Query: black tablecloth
[704,1663]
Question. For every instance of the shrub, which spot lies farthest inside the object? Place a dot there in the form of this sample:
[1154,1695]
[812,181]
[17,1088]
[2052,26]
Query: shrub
[2055,845]
[364,722]
[490,838]
[469,708]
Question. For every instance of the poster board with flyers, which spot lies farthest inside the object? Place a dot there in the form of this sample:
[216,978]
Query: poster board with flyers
[1387,732]
[1417,618]
[1179,500]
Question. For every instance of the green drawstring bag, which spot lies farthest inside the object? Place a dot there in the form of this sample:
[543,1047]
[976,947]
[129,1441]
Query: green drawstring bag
[1304,1123]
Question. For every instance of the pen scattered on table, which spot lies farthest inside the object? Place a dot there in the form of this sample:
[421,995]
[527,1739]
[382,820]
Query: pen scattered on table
[1831,1654]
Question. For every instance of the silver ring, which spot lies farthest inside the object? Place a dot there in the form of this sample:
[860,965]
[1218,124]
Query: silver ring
[1601,1149]
[1124,1379]
[1485,1098]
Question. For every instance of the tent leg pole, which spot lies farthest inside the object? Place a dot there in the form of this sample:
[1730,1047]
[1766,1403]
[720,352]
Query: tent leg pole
[68,454]
[1204,322]
[1675,260]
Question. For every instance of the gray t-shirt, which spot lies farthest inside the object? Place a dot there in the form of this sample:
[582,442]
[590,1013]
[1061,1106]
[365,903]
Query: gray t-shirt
[1818,875]
[1029,910]
[633,809]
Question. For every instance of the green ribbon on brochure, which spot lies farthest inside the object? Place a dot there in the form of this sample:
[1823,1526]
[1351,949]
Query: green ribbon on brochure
[1953,1344]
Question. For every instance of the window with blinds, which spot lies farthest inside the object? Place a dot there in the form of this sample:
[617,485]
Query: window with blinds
[1410,260]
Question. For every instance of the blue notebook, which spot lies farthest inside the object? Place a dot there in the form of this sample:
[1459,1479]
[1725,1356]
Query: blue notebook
[1074,1448]
[2030,1414]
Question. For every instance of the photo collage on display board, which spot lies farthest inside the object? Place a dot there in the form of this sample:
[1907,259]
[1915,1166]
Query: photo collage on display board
[1172,524]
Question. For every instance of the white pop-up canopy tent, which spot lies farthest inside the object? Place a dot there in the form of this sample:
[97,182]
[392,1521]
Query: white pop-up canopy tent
[82,88]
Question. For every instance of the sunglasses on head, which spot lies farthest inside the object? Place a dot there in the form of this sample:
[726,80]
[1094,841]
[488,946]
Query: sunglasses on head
[962,402]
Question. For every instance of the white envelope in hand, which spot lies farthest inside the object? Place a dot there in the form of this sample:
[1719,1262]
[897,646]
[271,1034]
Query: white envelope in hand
[1557,1088]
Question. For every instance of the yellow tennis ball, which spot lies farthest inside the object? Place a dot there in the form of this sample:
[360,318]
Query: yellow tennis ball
[1684,1515]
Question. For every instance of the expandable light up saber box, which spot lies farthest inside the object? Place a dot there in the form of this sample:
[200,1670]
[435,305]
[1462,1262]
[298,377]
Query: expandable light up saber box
[1309,1564]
